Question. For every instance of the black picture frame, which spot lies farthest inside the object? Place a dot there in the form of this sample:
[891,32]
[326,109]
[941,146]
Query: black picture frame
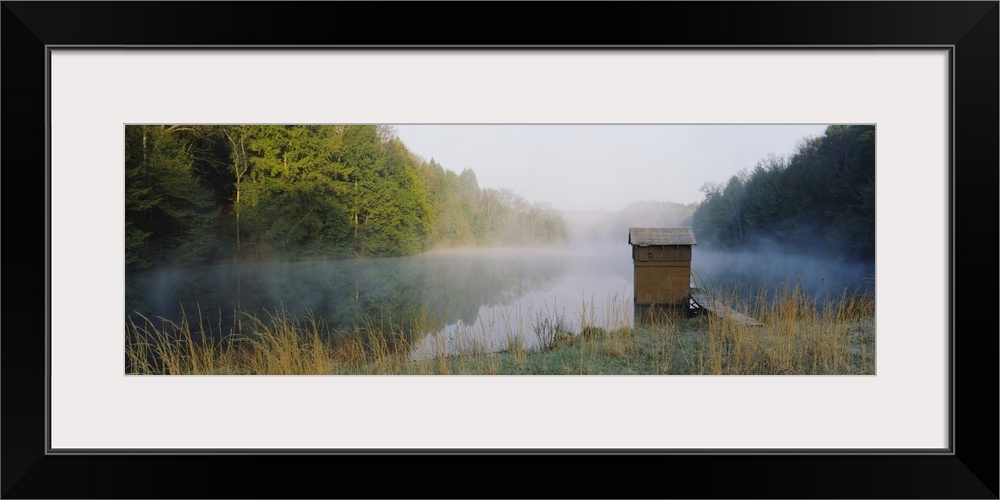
[969,470]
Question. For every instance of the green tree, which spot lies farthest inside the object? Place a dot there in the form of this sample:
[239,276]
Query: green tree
[296,197]
[237,135]
[398,216]
[765,202]
[361,155]
[390,211]
[278,191]
[820,200]
[712,222]
[169,213]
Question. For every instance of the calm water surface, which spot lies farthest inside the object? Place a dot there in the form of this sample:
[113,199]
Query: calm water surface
[485,296]
[456,299]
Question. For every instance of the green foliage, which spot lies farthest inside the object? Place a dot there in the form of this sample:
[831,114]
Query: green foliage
[169,214]
[197,193]
[820,200]
[297,192]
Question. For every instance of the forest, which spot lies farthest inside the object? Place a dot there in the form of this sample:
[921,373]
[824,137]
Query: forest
[820,200]
[299,209]
[207,193]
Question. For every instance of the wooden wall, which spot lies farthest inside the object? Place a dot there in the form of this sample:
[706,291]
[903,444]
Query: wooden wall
[662,284]
[661,253]
[662,274]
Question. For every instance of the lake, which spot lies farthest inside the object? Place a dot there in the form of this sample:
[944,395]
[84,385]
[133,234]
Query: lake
[481,295]
[449,300]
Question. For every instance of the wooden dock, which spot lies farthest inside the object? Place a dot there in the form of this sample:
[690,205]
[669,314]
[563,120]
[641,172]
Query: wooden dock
[702,299]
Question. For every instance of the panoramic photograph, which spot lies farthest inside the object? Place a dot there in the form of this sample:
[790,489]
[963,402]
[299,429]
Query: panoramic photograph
[548,249]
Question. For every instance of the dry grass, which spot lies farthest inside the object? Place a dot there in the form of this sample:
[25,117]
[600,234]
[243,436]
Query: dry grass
[798,337]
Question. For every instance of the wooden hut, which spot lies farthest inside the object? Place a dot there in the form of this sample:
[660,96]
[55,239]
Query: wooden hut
[661,257]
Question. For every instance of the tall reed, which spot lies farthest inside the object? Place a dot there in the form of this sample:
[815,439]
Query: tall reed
[797,335]
[794,334]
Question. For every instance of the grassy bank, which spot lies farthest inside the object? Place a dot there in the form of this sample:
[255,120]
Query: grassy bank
[797,337]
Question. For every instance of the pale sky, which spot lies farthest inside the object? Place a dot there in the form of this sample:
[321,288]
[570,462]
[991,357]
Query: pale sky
[602,167]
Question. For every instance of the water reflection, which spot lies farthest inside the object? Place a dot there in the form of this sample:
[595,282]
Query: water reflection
[437,294]
[752,276]
[592,284]
[460,300]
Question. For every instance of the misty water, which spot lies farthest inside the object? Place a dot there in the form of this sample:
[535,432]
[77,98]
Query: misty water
[448,300]
[452,298]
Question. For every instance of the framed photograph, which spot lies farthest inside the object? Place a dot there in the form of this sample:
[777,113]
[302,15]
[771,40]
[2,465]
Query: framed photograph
[919,79]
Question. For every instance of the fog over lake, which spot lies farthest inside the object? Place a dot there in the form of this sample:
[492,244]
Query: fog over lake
[445,299]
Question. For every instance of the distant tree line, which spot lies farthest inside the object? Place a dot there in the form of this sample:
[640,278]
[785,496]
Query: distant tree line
[820,200]
[199,193]
[613,226]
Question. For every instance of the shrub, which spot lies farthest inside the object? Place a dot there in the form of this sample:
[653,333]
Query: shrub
[548,325]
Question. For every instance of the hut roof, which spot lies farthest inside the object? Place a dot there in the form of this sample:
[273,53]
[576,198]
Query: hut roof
[646,236]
